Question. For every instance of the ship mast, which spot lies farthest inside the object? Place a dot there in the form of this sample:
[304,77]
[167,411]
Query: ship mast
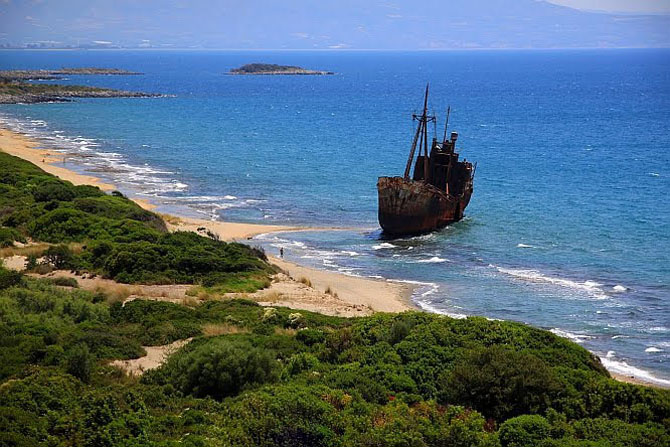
[421,137]
[446,124]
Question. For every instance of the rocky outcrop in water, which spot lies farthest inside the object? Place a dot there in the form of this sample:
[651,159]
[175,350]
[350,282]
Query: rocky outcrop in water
[274,69]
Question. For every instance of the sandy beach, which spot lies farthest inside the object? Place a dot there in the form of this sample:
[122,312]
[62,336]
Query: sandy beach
[349,296]
[297,287]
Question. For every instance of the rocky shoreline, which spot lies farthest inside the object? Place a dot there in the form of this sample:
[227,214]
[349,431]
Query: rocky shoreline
[15,88]
[47,75]
[69,96]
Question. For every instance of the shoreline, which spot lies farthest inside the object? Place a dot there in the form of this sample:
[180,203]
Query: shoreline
[375,294]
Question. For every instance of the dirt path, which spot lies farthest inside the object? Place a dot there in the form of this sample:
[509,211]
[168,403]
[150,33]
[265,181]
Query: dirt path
[156,356]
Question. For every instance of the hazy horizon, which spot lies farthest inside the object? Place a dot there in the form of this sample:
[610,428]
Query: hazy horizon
[299,25]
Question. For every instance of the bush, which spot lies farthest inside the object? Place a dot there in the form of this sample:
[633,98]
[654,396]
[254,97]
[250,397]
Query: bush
[64,281]
[501,383]
[53,190]
[8,236]
[310,336]
[524,431]
[9,278]
[80,362]
[221,368]
[298,363]
[59,256]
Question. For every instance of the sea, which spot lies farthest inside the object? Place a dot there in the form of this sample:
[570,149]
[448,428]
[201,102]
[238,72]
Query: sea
[569,225]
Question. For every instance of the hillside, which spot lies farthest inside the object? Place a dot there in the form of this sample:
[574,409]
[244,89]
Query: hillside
[248,375]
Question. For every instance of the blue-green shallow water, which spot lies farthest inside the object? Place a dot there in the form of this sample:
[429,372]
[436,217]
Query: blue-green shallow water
[569,225]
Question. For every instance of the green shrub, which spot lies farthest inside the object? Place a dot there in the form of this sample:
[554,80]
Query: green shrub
[300,362]
[9,235]
[501,383]
[80,362]
[59,256]
[53,190]
[64,281]
[310,336]
[524,431]
[221,368]
[9,278]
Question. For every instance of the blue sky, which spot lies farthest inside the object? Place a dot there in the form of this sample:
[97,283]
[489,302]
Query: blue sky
[335,24]
[630,6]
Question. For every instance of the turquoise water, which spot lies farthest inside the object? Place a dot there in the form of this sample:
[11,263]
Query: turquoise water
[569,225]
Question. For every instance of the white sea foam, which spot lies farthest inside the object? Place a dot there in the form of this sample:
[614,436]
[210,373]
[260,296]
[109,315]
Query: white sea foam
[622,368]
[350,253]
[430,308]
[619,288]
[593,288]
[577,338]
[87,155]
[653,349]
[433,260]
[525,246]
[383,245]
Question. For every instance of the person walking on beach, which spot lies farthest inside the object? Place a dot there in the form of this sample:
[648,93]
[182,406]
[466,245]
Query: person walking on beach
[281,252]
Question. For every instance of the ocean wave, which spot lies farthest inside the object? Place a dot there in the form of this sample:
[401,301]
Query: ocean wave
[525,246]
[85,154]
[350,253]
[383,245]
[593,288]
[433,260]
[577,338]
[622,368]
[436,310]
[653,350]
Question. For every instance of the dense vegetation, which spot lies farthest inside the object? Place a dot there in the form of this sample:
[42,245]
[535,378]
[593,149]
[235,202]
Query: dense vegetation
[112,236]
[262,376]
[257,376]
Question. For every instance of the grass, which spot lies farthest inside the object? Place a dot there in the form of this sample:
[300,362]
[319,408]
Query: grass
[214,329]
[114,292]
[305,281]
[34,249]
[272,296]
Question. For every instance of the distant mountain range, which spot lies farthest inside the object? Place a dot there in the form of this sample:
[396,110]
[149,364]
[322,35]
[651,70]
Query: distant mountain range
[305,24]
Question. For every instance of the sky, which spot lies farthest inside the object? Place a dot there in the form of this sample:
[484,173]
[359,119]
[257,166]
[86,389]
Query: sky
[628,6]
[336,24]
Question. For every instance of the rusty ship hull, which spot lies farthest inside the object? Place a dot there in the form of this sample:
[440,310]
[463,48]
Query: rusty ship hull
[408,207]
[436,193]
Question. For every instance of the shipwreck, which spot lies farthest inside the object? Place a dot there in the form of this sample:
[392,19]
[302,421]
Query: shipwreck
[438,191]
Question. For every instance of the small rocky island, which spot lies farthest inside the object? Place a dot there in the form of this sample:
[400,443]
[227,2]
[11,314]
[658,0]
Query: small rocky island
[15,88]
[274,69]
